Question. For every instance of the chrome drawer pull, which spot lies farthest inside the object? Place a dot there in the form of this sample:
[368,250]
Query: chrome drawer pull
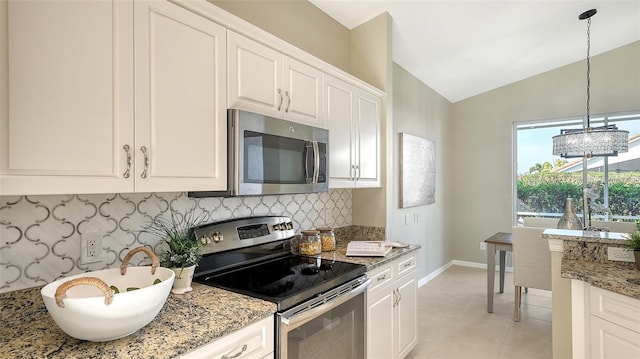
[288,101]
[146,161]
[126,148]
[408,265]
[281,99]
[244,348]
[382,278]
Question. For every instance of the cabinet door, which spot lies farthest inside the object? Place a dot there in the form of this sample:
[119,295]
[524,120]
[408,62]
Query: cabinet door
[379,329]
[609,340]
[368,142]
[70,97]
[406,315]
[303,93]
[255,77]
[339,100]
[180,100]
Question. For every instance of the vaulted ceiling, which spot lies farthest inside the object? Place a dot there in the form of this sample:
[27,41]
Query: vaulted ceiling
[464,48]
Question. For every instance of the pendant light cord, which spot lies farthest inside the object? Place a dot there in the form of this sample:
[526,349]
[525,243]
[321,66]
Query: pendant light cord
[588,71]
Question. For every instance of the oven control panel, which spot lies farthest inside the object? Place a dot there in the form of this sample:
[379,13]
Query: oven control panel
[243,232]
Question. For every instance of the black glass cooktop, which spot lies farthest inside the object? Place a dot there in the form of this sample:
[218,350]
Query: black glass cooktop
[286,280]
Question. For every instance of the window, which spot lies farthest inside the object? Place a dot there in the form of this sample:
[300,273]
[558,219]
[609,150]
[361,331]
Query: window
[544,181]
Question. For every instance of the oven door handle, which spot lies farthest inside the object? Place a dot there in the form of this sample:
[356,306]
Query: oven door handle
[299,319]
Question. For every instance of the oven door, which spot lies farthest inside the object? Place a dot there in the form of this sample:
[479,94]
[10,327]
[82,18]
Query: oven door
[274,156]
[332,325]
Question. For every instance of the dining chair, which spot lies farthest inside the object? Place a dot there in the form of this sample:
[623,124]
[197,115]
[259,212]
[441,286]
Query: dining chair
[541,222]
[531,263]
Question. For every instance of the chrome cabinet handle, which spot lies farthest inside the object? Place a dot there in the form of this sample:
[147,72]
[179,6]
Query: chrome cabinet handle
[146,161]
[382,278]
[353,169]
[281,99]
[358,169]
[286,93]
[244,349]
[407,265]
[126,148]
[395,298]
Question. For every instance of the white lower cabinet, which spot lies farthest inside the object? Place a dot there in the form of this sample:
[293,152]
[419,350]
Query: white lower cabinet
[392,325]
[255,341]
[605,324]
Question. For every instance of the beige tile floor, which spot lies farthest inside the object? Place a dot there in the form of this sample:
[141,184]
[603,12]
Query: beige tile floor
[453,322]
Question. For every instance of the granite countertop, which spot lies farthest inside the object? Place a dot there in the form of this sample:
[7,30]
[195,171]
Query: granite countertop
[185,322]
[371,262]
[610,276]
[585,257]
[601,237]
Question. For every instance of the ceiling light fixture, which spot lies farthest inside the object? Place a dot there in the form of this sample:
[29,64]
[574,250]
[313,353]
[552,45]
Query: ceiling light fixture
[590,141]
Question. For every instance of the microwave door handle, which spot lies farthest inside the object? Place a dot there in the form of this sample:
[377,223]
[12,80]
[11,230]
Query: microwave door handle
[307,177]
[316,162]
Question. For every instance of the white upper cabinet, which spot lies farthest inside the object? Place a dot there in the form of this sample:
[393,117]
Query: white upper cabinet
[71,115]
[180,111]
[265,81]
[353,119]
[70,97]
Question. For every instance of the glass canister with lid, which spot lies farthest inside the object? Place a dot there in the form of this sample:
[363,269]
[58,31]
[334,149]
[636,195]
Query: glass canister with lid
[327,239]
[309,243]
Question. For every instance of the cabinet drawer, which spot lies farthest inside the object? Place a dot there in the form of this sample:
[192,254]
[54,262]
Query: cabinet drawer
[616,308]
[406,265]
[380,277]
[253,341]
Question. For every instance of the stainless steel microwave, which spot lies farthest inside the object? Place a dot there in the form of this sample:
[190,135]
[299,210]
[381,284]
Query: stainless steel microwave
[273,156]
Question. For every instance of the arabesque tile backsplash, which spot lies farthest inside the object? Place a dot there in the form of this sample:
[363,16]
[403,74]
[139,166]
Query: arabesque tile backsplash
[40,235]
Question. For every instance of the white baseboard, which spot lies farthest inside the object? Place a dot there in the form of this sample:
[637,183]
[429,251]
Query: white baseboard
[456,262]
[434,274]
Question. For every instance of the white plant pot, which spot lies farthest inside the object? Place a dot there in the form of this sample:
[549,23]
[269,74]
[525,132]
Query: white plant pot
[182,283]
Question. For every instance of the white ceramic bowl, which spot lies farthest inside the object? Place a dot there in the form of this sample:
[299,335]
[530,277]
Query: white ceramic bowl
[85,314]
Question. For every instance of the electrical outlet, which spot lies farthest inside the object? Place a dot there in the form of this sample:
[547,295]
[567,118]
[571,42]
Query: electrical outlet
[619,254]
[483,246]
[90,247]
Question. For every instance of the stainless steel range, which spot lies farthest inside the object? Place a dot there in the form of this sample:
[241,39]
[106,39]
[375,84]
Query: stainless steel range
[321,303]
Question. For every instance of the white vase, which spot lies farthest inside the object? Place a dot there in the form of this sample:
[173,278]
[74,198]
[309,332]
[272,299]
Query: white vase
[182,282]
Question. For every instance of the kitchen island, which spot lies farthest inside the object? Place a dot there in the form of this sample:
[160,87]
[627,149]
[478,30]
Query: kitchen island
[596,301]
[585,257]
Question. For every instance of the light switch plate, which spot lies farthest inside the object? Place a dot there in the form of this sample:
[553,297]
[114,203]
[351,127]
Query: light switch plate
[619,254]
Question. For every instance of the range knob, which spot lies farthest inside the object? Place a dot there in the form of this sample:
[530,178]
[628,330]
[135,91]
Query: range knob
[217,237]
[205,239]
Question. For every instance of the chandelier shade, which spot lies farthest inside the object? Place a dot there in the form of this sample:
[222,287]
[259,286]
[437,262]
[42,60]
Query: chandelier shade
[590,141]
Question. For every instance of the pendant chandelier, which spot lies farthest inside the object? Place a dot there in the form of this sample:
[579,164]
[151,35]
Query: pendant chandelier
[590,141]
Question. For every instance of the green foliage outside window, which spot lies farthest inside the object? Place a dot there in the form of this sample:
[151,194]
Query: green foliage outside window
[546,192]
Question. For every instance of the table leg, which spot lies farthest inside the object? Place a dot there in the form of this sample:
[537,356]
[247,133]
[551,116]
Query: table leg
[491,274]
[503,255]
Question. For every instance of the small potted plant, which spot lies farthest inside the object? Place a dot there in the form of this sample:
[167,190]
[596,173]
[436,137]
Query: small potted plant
[183,252]
[633,244]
